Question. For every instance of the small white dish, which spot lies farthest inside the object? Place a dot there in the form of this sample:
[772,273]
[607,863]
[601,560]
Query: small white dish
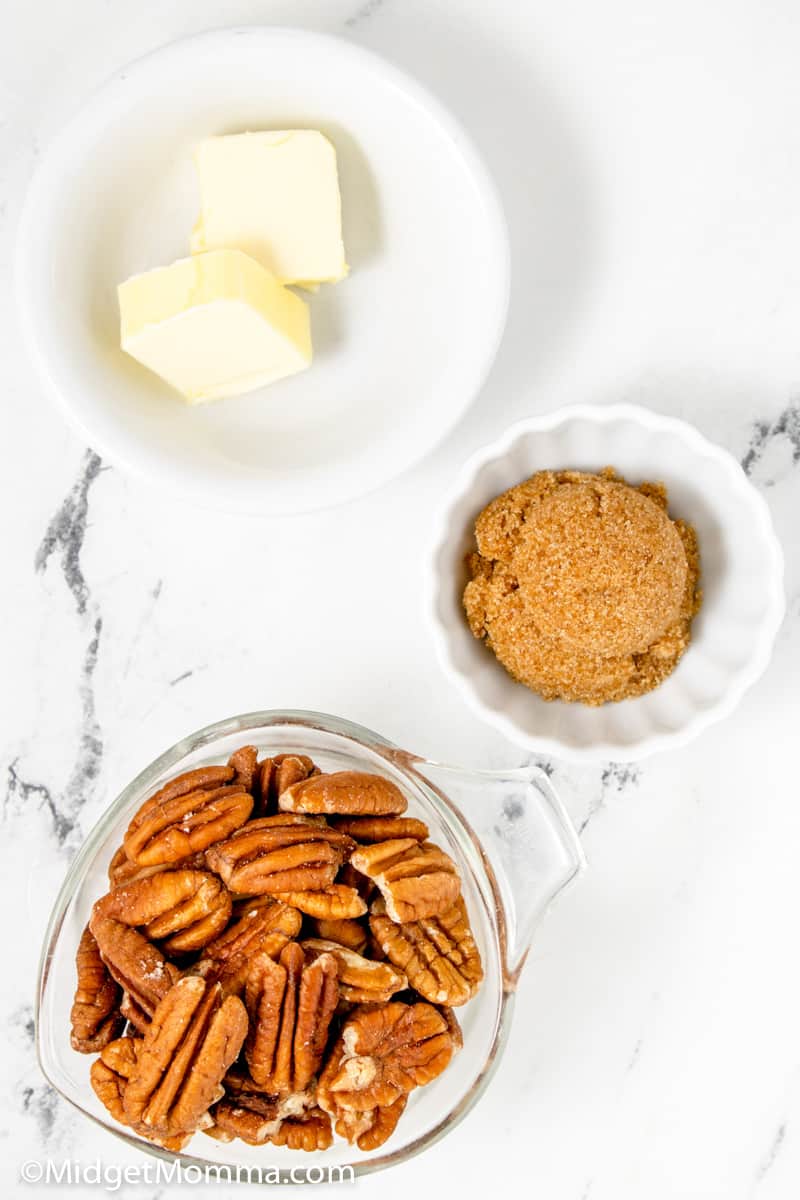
[402,345]
[741,577]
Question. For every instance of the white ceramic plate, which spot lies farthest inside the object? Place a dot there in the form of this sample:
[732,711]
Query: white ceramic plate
[402,345]
[742,581]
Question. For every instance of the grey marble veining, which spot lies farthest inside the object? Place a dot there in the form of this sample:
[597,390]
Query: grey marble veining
[786,426]
[61,548]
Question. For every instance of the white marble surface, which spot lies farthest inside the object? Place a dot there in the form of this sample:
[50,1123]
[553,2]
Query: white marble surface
[648,159]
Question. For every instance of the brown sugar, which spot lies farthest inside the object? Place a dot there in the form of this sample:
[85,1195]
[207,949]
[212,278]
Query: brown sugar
[583,586]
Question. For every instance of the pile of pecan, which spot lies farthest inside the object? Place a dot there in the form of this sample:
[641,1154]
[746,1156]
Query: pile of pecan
[277,958]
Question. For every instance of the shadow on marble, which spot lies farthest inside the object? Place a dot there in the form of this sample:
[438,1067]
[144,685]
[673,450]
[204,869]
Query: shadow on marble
[544,181]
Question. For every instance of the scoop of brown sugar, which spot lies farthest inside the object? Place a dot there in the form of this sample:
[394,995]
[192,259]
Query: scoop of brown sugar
[583,586]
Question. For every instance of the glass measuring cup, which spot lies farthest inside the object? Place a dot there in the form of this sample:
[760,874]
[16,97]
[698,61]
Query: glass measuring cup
[515,849]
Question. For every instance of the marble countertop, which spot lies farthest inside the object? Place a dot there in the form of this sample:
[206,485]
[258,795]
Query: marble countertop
[648,160]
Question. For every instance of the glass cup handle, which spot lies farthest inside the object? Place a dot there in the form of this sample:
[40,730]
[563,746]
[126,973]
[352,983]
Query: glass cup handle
[531,845]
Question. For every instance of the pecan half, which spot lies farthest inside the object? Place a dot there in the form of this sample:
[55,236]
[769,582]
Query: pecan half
[284,1121]
[275,775]
[369,1130]
[277,854]
[120,1055]
[382,1054]
[383,1125]
[188,814]
[264,923]
[232,1121]
[291,1004]
[95,1017]
[184,909]
[111,1071]
[361,981]
[381,829]
[311,1131]
[121,870]
[416,879]
[138,966]
[192,1040]
[245,766]
[346,792]
[250,1113]
[438,954]
[335,902]
[261,924]
[349,933]
[108,1076]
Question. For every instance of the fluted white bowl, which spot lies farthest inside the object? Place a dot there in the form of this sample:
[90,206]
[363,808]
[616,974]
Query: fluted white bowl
[742,582]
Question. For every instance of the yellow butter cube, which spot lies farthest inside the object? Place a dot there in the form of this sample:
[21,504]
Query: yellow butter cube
[214,325]
[274,195]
